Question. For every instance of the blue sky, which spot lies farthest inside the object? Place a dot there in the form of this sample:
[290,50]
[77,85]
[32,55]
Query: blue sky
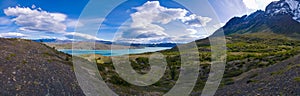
[135,21]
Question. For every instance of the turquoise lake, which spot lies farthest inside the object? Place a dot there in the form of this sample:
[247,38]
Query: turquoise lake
[114,52]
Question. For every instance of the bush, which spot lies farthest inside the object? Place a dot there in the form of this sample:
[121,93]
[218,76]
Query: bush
[228,81]
[118,81]
[250,81]
[233,73]
[142,60]
[297,79]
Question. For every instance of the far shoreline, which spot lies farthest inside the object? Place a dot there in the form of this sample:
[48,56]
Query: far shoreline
[116,52]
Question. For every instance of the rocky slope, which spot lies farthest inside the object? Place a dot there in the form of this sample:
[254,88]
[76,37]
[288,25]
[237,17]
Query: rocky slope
[30,68]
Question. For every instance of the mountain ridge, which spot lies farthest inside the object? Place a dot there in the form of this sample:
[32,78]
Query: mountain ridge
[279,17]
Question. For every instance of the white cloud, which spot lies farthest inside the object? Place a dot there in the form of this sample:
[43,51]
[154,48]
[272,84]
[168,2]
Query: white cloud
[191,31]
[52,37]
[5,21]
[12,35]
[86,23]
[217,26]
[191,34]
[152,12]
[257,4]
[196,21]
[80,36]
[33,6]
[71,23]
[147,23]
[40,23]
[36,19]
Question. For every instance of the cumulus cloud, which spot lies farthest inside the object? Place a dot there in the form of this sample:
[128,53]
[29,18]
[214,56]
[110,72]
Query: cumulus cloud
[12,35]
[36,19]
[80,36]
[152,12]
[196,21]
[43,24]
[148,20]
[257,4]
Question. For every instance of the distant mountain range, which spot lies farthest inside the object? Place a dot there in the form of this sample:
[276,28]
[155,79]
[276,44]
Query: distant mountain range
[100,44]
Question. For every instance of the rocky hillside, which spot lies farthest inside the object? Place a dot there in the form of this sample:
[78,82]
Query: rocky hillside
[88,45]
[29,68]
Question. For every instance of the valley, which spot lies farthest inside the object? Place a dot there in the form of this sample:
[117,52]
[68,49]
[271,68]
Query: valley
[262,52]
[247,56]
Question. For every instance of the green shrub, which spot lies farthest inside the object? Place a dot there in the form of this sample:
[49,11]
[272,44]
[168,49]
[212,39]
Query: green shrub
[228,81]
[233,73]
[250,81]
[118,81]
[297,79]
[254,75]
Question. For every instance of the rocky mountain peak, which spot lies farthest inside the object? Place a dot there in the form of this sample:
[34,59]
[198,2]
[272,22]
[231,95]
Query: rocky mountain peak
[280,17]
[285,7]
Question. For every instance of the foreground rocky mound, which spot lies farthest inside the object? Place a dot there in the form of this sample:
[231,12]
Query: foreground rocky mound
[281,79]
[30,68]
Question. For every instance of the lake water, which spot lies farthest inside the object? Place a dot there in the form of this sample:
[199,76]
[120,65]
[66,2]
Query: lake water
[114,52]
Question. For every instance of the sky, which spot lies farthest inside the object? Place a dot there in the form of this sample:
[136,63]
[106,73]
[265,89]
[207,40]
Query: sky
[133,21]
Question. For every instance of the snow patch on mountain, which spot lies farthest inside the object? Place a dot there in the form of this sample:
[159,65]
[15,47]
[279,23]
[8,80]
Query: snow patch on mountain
[295,7]
[293,4]
[291,7]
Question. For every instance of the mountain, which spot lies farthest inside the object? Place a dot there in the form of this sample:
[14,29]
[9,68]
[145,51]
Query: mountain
[154,45]
[276,26]
[45,40]
[97,44]
[280,17]
[28,68]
